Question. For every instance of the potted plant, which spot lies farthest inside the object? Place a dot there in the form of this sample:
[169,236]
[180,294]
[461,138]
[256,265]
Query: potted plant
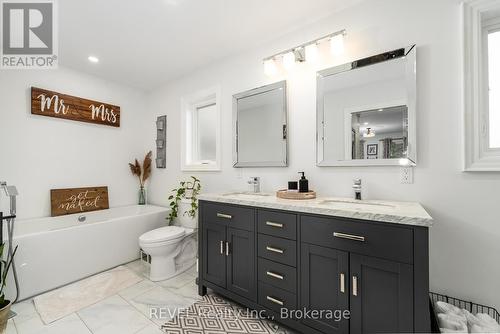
[184,202]
[4,271]
[142,174]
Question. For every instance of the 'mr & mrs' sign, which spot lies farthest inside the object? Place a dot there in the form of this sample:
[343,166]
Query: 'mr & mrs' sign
[53,104]
[76,200]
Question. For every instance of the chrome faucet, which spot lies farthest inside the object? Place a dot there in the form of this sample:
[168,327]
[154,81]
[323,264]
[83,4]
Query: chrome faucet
[11,192]
[357,189]
[255,181]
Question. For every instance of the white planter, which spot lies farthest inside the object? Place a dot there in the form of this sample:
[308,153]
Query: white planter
[182,217]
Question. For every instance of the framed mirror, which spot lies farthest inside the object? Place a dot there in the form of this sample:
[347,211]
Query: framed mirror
[260,127]
[366,111]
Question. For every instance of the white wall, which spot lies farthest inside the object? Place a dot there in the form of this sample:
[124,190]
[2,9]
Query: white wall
[465,239]
[40,153]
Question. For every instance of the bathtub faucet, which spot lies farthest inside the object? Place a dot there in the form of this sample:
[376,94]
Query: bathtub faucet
[82,218]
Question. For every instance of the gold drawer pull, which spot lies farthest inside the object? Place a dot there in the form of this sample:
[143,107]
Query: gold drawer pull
[278,276]
[349,236]
[275,250]
[273,224]
[342,282]
[222,247]
[274,300]
[223,215]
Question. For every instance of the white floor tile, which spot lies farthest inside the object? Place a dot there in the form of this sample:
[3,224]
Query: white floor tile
[138,267]
[137,289]
[70,324]
[160,305]
[189,290]
[177,281]
[25,311]
[152,329]
[11,328]
[113,315]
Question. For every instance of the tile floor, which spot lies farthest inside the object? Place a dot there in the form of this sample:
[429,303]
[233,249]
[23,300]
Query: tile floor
[126,312]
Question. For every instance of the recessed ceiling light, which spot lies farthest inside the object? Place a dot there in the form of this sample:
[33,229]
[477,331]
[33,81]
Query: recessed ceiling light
[93,59]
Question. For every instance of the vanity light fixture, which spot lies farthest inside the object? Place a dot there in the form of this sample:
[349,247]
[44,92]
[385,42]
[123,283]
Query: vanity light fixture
[306,52]
[337,44]
[369,133]
[93,59]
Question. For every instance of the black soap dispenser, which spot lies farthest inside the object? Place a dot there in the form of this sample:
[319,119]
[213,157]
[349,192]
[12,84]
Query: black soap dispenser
[303,184]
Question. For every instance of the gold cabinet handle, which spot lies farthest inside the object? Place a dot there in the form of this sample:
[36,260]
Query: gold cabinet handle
[227,248]
[273,224]
[274,250]
[355,285]
[348,236]
[223,215]
[278,276]
[222,247]
[342,282]
[274,300]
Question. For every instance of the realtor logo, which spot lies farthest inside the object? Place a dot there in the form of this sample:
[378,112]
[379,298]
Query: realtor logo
[28,35]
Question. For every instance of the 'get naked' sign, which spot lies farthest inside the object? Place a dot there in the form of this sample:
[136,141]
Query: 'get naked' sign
[48,103]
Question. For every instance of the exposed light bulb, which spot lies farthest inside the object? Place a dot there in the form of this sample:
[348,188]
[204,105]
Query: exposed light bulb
[369,133]
[312,53]
[93,59]
[270,67]
[337,44]
[289,60]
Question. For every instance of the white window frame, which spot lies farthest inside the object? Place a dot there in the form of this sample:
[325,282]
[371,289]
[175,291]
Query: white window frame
[478,157]
[189,143]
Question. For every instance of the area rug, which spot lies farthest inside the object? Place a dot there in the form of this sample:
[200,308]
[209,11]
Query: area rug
[215,315]
[57,304]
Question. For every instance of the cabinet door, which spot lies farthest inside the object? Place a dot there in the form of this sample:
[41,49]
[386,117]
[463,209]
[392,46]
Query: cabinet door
[241,273]
[324,286]
[381,295]
[214,258]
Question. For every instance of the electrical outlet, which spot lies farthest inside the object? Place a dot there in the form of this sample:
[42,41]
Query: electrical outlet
[406,175]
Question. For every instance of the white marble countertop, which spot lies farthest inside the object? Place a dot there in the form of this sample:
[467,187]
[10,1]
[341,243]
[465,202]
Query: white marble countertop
[407,213]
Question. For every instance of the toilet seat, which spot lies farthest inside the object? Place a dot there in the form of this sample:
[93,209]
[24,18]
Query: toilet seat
[162,234]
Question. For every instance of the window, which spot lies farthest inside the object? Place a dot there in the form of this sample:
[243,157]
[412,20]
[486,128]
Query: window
[481,85]
[494,88]
[201,131]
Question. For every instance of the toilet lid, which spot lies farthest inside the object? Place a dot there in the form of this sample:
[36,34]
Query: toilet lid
[163,234]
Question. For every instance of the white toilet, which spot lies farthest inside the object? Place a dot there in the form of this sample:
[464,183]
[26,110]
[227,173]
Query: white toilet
[173,249]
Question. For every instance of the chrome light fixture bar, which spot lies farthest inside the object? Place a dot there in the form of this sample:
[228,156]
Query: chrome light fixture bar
[299,54]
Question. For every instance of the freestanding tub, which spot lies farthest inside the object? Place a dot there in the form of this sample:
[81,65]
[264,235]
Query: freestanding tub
[55,251]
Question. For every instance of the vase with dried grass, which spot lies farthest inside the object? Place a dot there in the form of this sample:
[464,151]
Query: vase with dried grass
[143,173]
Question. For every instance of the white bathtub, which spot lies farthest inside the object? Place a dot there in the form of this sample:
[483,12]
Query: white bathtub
[55,251]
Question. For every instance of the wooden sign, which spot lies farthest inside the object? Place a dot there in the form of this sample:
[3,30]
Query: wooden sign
[76,200]
[53,104]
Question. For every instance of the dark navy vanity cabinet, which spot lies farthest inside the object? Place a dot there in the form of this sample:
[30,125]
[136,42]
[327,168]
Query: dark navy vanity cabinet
[275,260]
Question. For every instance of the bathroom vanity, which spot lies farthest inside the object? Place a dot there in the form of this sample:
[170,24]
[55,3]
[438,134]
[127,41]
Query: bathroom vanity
[367,257]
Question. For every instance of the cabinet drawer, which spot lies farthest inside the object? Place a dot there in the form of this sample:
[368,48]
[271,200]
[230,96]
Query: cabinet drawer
[229,215]
[279,224]
[278,249]
[374,239]
[278,275]
[275,299]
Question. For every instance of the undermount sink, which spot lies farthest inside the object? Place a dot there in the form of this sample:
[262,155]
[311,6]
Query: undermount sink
[246,194]
[354,204]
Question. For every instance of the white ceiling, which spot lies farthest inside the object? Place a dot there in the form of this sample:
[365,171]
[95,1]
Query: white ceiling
[150,42]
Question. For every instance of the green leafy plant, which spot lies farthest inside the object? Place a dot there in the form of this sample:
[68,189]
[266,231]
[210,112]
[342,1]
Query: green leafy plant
[5,266]
[189,190]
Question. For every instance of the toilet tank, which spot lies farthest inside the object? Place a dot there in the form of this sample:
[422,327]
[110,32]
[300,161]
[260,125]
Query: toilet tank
[183,219]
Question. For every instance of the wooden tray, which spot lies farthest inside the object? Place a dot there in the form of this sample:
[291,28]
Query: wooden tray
[295,195]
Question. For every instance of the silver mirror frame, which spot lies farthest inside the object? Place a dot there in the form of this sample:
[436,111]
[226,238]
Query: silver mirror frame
[283,162]
[411,86]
